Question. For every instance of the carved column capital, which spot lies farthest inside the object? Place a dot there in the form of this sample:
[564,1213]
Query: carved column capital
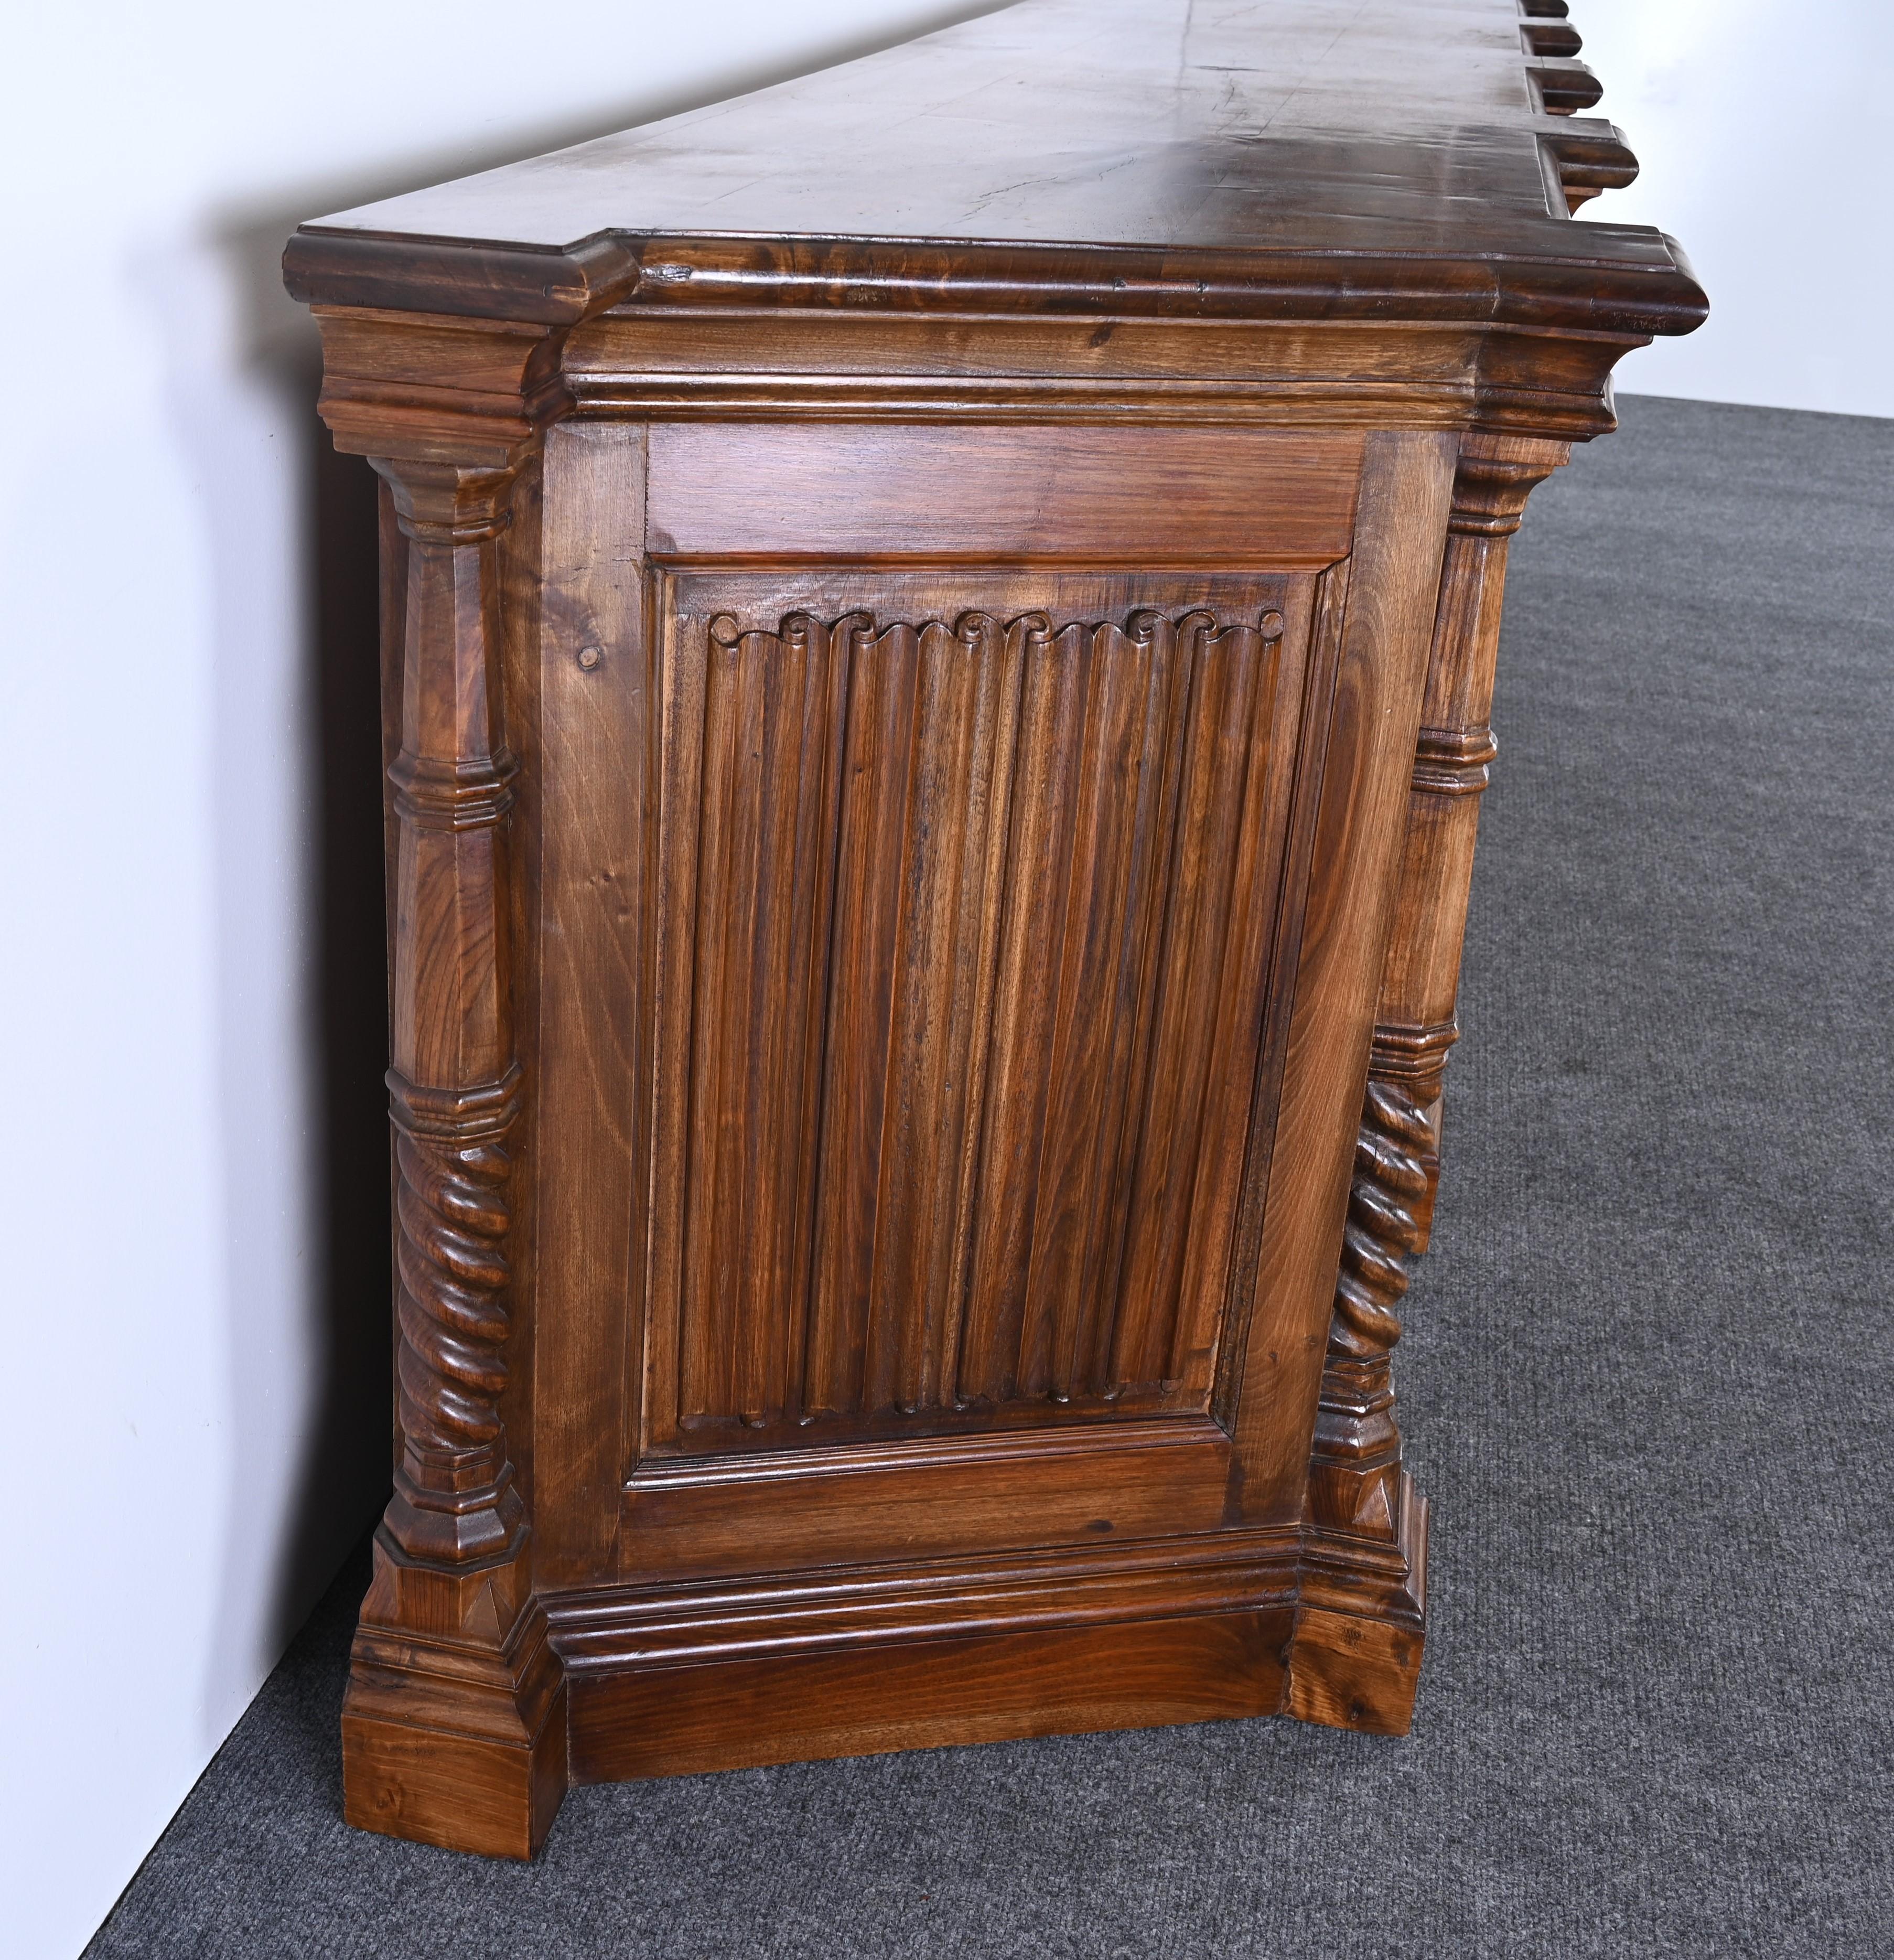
[1497,473]
[448,503]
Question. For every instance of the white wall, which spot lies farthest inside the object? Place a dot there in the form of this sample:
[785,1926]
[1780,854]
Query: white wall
[165,1153]
[177,1387]
[1761,126]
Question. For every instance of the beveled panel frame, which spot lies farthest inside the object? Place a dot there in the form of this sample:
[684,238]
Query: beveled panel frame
[607,728]
[876,822]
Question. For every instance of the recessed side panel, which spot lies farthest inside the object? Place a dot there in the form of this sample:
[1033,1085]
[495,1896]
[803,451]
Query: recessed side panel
[967,891]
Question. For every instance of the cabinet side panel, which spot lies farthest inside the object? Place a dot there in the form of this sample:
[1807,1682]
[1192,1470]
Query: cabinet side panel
[1366,762]
[592,1120]
[974,924]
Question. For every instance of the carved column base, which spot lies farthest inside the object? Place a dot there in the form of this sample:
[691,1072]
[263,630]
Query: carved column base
[1361,1622]
[1355,1471]
[454,1725]
[1355,1653]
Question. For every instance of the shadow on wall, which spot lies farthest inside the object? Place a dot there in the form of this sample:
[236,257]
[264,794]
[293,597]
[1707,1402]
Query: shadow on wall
[293,536]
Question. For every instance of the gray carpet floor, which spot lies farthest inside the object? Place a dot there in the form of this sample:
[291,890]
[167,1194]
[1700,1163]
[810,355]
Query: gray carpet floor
[1644,1382]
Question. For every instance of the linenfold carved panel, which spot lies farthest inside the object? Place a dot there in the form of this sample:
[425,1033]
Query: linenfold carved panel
[1015,874]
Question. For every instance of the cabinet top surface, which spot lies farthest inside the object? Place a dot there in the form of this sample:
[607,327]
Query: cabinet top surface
[1409,127]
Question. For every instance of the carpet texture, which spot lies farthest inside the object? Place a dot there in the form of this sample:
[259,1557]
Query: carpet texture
[1643,1386]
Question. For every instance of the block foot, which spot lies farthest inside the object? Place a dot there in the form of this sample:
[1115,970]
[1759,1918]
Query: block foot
[454,1725]
[1355,1653]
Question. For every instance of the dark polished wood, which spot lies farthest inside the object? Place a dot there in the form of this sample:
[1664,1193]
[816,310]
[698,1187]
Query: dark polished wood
[939,646]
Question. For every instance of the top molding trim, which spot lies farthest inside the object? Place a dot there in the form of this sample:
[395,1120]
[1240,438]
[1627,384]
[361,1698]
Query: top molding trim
[1386,158]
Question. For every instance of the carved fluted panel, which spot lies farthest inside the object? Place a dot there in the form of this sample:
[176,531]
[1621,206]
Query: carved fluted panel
[1011,875]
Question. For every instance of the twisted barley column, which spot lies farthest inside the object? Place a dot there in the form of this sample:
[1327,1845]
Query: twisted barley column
[455,1498]
[451,1210]
[1391,1176]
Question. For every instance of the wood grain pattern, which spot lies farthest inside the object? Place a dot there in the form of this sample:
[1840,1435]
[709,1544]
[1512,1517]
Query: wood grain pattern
[992,1488]
[454,1726]
[1361,1618]
[736,1714]
[588,885]
[975,1002]
[439,1787]
[832,491]
[1416,1022]
[1353,1672]
[1053,356]
[913,1655]
[938,642]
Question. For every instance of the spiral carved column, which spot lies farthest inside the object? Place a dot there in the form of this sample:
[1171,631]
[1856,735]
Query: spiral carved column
[455,1498]
[1354,1477]
[451,1646]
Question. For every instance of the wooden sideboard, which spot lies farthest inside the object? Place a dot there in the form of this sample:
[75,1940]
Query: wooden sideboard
[939,626]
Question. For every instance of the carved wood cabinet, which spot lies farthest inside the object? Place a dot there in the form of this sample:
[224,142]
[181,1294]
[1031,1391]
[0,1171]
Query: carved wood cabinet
[939,624]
